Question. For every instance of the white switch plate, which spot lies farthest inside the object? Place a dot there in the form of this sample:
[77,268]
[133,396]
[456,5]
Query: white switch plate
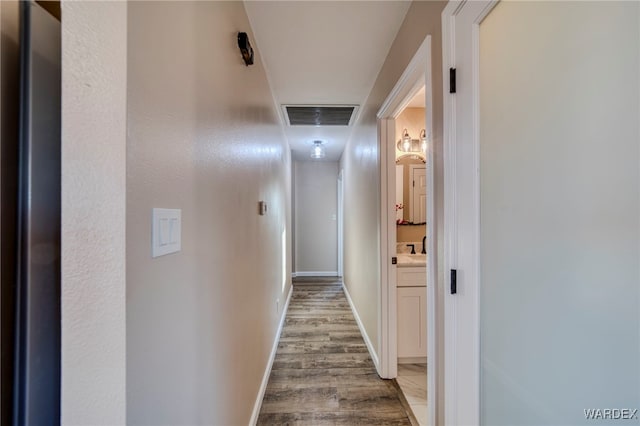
[166,233]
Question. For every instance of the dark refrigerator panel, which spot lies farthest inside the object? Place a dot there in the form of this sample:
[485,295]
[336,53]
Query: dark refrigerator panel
[37,356]
[9,125]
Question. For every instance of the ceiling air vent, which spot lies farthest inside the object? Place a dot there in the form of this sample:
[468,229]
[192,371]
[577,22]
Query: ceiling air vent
[320,115]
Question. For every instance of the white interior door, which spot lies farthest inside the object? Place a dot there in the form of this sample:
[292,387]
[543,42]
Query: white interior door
[542,210]
[340,225]
[418,194]
[399,192]
[461,210]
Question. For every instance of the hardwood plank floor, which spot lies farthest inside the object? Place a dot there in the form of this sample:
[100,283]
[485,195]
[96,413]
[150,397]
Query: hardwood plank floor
[322,373]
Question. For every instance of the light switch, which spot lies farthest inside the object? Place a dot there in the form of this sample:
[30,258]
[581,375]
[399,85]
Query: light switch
[173,234]
[166,231]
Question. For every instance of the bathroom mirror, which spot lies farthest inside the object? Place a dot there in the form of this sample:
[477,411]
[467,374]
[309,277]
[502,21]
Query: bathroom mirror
[411,190]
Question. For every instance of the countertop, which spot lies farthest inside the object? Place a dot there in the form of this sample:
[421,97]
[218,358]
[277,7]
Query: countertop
[411,260]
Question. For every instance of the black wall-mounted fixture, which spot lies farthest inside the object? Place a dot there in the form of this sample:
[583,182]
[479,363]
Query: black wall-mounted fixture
[245,48]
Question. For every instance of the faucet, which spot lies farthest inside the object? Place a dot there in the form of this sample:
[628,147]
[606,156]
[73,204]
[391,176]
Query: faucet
[424,239]
[413,248]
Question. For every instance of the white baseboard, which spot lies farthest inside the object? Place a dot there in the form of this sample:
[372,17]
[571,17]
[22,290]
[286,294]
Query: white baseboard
[267,372]
[365,336]
[315,274]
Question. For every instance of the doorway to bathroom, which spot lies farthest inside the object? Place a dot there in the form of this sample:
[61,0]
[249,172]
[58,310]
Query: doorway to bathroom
[411,236]
[408,251]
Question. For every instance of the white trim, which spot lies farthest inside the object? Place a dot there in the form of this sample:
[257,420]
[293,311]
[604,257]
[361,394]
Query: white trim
[387,320]
[267,372]
[410,82]
[432,288]
[449,195]
[462,210]
[365,336]
[340,224]
[417,74]
[315,274]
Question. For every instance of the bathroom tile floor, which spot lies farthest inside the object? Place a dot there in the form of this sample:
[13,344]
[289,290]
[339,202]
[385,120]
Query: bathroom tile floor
[412,379]
[322,373]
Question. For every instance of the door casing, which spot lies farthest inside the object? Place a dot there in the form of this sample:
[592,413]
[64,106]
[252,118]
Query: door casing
[416,75]
[460,51]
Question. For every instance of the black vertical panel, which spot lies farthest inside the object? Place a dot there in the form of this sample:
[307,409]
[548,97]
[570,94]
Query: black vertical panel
[37,380]
[10,107]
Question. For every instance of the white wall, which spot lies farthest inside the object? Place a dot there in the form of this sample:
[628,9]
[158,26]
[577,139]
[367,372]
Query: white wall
[94,89]
[204,137]
[361,165]
[316,208]
[560,284]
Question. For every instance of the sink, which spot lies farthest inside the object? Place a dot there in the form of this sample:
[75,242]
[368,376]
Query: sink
[406,259]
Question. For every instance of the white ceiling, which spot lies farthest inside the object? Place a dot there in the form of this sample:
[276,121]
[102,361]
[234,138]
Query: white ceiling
[323,52]
[418,101]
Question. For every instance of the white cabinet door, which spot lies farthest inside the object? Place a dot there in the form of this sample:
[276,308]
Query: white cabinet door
[412,276]
[399,192]
[412,322]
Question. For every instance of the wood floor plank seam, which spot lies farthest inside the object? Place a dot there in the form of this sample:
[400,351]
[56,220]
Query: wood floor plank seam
[322,373]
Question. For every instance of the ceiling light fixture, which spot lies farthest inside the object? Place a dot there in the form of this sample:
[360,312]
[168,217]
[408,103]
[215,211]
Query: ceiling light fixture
[317,151]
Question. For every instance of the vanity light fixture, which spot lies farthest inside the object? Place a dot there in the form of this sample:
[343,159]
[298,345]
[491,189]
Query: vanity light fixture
[406,141]
[317,151]
[423,141]
[406,144]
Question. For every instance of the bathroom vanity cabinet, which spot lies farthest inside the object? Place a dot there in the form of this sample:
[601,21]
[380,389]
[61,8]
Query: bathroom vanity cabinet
[412,312]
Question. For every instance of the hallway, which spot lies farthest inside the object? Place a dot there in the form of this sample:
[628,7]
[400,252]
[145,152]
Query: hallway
[322,373]
[207,155]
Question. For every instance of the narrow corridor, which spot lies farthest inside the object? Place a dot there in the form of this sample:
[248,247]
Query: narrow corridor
[322,373]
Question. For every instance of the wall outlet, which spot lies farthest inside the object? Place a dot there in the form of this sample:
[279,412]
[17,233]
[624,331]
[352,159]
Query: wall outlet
[278,306]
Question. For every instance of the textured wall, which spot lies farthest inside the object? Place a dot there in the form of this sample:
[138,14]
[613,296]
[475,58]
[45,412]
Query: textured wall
[204,137]
[316,199]
[94,78]
[362,167]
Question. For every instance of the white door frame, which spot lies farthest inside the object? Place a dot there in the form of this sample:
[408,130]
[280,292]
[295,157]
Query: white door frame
[460,50]
[340,224]
[416,75]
